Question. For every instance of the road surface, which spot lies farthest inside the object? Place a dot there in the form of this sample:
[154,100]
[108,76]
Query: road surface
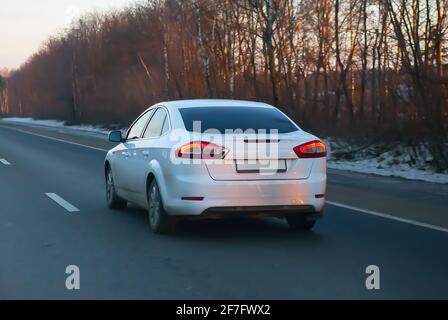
[400,226]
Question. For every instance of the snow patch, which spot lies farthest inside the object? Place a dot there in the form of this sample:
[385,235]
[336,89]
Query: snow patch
[413,163]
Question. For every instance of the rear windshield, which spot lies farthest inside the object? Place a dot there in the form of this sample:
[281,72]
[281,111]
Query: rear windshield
[233,118]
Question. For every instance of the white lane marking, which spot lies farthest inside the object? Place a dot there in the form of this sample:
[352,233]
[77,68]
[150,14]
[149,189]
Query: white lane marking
[336,204]
[388,216]
[6,163]
[56,139]
[67,206]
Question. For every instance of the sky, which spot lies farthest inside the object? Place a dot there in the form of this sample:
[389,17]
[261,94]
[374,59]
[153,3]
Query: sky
[26,24]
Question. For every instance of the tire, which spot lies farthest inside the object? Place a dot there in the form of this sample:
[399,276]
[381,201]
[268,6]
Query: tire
[113,200]
[159,221]
[299,223]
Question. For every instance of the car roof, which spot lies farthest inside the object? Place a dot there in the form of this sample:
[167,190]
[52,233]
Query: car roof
[212,103]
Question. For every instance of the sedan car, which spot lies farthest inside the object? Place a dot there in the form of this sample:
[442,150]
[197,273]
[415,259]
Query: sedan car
[214,159]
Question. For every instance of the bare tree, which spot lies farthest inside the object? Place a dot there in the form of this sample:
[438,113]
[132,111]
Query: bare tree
[376,66]
[204,56]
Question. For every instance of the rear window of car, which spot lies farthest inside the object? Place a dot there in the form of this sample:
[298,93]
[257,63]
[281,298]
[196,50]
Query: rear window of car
[233,118]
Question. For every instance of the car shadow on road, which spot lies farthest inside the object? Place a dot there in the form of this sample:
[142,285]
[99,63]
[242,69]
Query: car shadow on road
[238,228]
[234,229]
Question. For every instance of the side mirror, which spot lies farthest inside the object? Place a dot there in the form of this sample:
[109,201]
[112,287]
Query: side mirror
[115,136]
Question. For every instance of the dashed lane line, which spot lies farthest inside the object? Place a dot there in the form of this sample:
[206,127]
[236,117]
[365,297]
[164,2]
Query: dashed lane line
[5,162]
[66,205]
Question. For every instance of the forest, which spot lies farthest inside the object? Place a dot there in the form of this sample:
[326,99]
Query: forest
[372,69]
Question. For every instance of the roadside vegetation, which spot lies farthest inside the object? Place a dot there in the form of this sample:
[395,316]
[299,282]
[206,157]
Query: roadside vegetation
[372,69]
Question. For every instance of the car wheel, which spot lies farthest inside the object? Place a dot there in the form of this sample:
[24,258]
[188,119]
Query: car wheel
[299,223]
[159,221]
[113,200]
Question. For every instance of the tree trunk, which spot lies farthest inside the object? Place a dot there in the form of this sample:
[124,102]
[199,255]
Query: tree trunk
[203,52]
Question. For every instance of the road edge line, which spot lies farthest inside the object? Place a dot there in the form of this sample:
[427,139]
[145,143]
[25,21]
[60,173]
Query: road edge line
[388,216]
[55,139]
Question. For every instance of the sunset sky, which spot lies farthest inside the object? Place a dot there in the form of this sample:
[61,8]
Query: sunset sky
[25,24]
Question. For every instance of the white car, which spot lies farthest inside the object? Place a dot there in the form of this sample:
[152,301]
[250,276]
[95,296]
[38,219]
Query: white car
[217,159]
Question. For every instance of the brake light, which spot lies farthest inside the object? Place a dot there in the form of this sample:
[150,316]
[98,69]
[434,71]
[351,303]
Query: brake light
[312,149]
[201,150]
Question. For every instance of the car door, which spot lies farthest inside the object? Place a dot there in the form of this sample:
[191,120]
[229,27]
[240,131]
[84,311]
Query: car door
[149,148]
[125,157]
[142,152]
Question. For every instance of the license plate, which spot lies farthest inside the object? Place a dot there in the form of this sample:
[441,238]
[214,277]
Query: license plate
[260,166]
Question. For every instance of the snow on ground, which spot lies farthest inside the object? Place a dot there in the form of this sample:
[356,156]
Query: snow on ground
[372,166]
[397,161]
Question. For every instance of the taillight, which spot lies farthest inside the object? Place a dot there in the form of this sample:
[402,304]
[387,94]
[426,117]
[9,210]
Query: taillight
[201,150]
[312,149]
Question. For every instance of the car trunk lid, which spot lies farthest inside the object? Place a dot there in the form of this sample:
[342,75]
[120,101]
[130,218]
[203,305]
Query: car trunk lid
[255,157]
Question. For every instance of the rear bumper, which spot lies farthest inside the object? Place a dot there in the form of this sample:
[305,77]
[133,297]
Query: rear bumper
[225,198]
[260,212]
[242,197]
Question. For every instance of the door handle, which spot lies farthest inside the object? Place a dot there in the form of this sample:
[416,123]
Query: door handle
[145,154]
[126,154]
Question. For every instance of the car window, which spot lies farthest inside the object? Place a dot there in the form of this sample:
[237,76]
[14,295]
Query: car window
[232,118]
[166,126]
[137,128]
[154,128]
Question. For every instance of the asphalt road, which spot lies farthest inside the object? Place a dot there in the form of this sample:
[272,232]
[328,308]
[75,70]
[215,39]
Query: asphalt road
[119,257]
